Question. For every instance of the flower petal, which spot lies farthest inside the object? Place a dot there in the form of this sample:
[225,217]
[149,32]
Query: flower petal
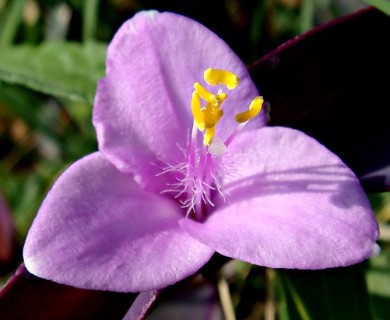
[291,204]
[98,230]
[142,107]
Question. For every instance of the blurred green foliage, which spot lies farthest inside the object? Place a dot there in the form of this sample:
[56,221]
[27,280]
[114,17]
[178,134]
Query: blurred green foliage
[52,54]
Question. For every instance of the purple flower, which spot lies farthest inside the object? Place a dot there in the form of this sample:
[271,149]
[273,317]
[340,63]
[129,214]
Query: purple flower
[183,173]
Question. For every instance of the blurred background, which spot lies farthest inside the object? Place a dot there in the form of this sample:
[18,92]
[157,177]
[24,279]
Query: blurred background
[52,53]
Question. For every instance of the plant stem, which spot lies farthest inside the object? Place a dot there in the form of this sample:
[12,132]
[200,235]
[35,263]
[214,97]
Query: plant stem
[225,298]
[90,18]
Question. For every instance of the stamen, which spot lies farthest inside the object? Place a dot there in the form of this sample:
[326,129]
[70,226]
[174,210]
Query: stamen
[208,136]
[217,76]
[205,95]
[196,107]
[197,177]
[211,116]
[254,109]
[221,96]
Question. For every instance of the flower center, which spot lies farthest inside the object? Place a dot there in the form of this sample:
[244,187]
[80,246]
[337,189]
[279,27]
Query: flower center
[207,116]
[199,174]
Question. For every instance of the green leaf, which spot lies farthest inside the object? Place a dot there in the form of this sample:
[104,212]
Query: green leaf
[382,5]
[335,294]
[378,282]
[62,69]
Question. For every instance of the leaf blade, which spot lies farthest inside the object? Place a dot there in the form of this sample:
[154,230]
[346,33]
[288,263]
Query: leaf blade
[66,70]
[331,83]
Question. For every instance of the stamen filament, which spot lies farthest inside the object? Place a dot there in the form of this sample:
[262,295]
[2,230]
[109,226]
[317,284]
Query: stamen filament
[198,187]
[234,133]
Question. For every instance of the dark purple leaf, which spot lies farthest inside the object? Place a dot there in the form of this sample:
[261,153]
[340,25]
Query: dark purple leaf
[28,297]
[333,83]
[142,305]
[193,298]
[9,247]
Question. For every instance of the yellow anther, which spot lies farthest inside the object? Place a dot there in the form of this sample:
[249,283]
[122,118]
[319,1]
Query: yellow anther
[211,116]
[221,97]
[218,76]
[206,106]
[208,136]
[205,95]
[254,109]
[196,107]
